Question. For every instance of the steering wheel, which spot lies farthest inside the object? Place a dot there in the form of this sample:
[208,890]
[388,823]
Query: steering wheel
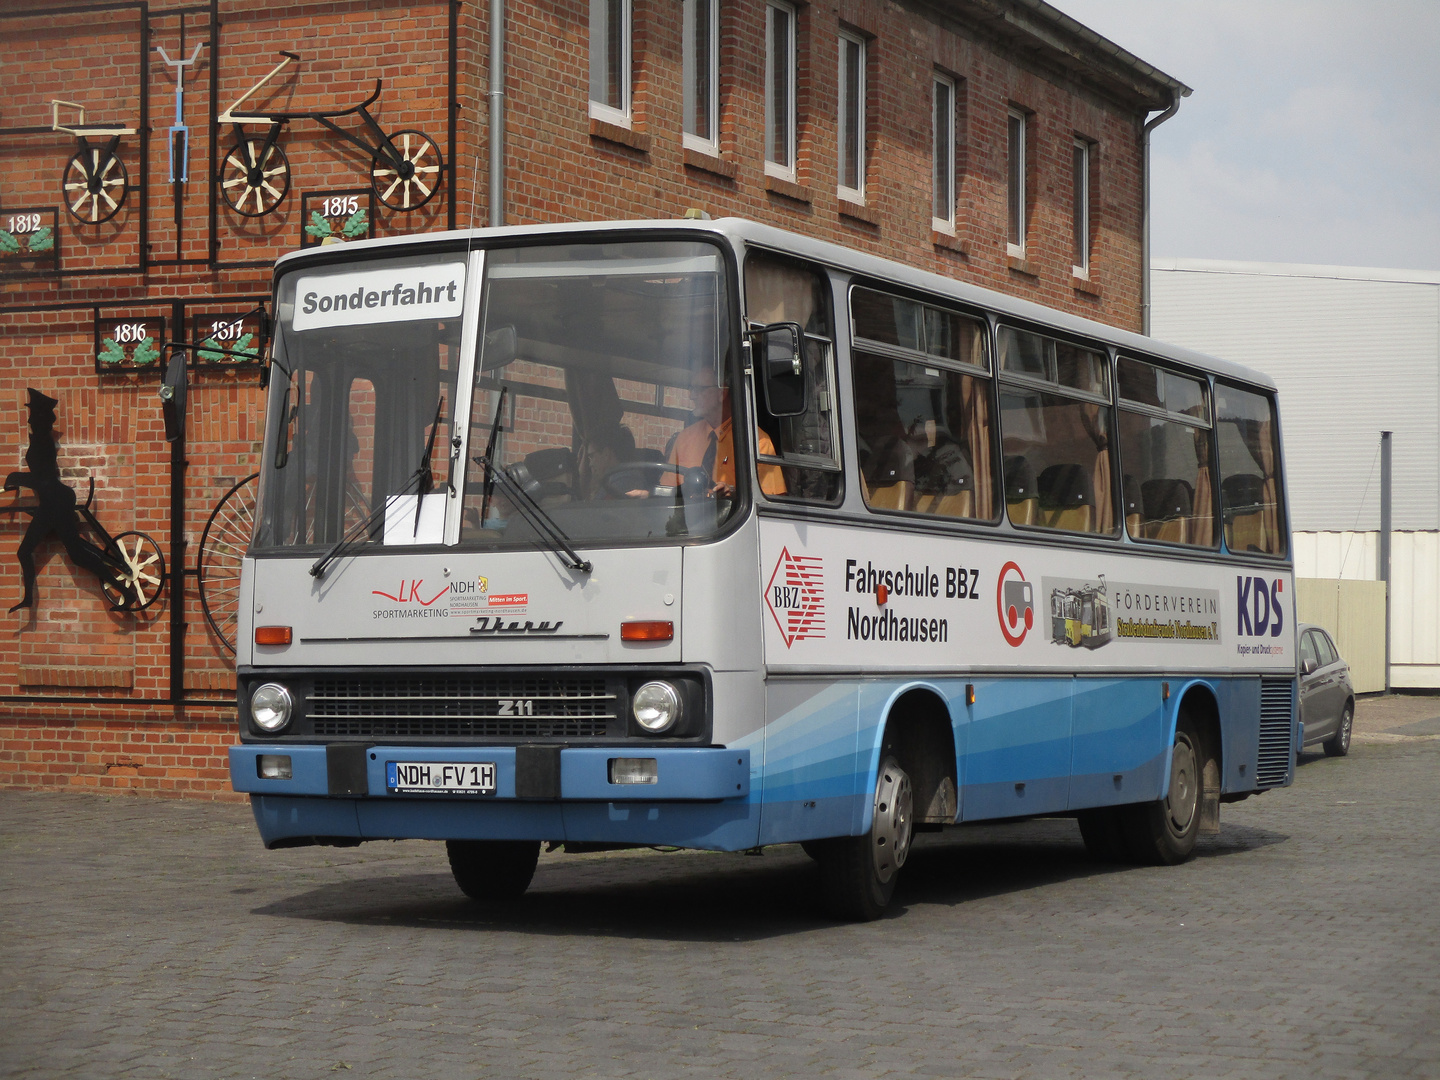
[650,475]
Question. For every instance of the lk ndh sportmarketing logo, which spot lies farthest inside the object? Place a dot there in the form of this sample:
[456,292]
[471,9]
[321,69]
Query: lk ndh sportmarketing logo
[1015,603]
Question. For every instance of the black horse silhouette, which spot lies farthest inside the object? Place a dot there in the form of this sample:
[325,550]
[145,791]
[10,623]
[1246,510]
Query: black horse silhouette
[56,513]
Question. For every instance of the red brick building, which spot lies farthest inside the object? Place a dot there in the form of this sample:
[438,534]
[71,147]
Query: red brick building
[996,141]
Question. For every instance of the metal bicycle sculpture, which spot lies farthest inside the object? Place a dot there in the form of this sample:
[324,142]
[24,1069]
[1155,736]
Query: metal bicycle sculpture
[95,182]
[129,565]
[405,166]
[222,548]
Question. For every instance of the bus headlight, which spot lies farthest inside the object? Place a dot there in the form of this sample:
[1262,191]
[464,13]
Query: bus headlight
[271,706]
[656,707]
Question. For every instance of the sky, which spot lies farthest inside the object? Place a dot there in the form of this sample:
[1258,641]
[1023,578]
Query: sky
[1312,135]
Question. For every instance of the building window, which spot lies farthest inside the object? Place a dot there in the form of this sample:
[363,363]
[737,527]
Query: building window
[1019,210]
[610,61]
[943,211]
[702,75]
[851,122]
[1081,207]
[780,91]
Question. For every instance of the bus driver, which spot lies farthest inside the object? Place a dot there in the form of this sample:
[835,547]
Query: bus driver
[709,442]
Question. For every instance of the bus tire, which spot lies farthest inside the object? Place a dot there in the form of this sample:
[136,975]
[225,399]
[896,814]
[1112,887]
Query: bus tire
[493,871]
[1103,831]
[1163,832]
[858,873]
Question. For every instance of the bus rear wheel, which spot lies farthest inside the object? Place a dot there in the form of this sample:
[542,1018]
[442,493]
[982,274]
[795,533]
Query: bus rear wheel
[1164,832]
[858,873]
[493,871]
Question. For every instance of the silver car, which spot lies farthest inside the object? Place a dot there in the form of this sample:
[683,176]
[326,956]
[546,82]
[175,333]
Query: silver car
[1327,699]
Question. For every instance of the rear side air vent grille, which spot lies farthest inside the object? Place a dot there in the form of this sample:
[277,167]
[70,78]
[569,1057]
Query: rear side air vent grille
[1277,703]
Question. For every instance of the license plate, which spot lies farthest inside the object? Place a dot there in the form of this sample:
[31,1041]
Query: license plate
[440,777]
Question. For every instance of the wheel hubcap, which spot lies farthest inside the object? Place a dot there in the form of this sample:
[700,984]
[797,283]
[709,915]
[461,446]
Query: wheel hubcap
[1184,791]
[890,833]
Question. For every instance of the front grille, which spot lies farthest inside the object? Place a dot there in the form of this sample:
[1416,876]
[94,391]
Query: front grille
[462,706]
[1272,764]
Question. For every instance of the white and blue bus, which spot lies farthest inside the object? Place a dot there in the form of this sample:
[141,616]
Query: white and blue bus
[705,534]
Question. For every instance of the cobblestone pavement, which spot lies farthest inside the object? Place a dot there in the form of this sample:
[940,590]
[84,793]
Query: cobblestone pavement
[157,939]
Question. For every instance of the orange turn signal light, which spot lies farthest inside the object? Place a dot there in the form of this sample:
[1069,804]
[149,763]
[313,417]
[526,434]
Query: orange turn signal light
[647,631]
[272,635]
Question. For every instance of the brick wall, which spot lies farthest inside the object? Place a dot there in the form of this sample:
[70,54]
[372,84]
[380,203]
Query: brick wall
[564,166]
[561,165]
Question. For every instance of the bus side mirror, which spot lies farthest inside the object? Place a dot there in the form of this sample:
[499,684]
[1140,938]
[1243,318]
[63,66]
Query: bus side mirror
[780,361]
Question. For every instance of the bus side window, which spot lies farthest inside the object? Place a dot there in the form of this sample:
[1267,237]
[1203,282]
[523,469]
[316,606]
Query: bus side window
[806,447]
[922,407]
[1055,424]
[1250,485]
[1165,436]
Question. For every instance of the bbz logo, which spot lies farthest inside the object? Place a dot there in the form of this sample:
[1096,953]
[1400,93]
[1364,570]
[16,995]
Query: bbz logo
[1258,607]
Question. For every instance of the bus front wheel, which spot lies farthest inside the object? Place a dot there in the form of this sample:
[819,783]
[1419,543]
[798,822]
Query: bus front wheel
[858,873]
[1164,832]
[493,871]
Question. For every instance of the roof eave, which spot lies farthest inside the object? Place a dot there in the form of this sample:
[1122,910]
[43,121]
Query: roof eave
[1054,38]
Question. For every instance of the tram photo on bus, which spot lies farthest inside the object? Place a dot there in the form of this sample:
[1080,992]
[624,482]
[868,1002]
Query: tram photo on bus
[703,534]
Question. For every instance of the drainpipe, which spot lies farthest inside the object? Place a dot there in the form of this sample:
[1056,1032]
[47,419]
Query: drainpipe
[497,113]
[1385,525]
[1145,209]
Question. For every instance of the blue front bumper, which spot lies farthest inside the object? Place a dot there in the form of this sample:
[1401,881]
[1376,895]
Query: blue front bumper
[701,798]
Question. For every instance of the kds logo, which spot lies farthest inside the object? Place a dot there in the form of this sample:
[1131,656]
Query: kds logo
[1259,609]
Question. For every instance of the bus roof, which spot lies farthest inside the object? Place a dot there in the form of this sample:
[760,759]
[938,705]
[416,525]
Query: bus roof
[744,231]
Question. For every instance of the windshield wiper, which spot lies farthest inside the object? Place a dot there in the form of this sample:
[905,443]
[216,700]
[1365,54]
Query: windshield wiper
[490,456]
[553,536]
[423,476]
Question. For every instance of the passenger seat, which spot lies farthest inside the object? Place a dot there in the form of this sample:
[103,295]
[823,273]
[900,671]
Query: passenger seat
[1067,498]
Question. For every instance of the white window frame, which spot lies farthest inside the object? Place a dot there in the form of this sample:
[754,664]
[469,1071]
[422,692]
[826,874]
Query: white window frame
[1016,165]
[690,139]
[772,167]
[851,129]
[601,110]
[1080,188]
[942,168]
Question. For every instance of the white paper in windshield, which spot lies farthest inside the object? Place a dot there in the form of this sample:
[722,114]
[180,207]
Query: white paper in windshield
[397,294]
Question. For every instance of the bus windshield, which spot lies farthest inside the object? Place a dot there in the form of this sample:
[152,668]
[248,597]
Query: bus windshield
[603,386]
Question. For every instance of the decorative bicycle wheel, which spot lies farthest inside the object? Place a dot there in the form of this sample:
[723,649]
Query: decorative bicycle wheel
[142,574]
[94,185]
[222,547]
[252,187]
[413,182]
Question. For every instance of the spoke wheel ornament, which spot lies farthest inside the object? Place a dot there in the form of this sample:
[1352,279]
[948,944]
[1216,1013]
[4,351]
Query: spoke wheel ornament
[94,185]
[412,181]
[222,548]
[253,187]
[140,574]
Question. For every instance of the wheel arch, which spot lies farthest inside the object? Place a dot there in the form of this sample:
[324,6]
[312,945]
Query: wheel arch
[917,725]
[1198,701]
